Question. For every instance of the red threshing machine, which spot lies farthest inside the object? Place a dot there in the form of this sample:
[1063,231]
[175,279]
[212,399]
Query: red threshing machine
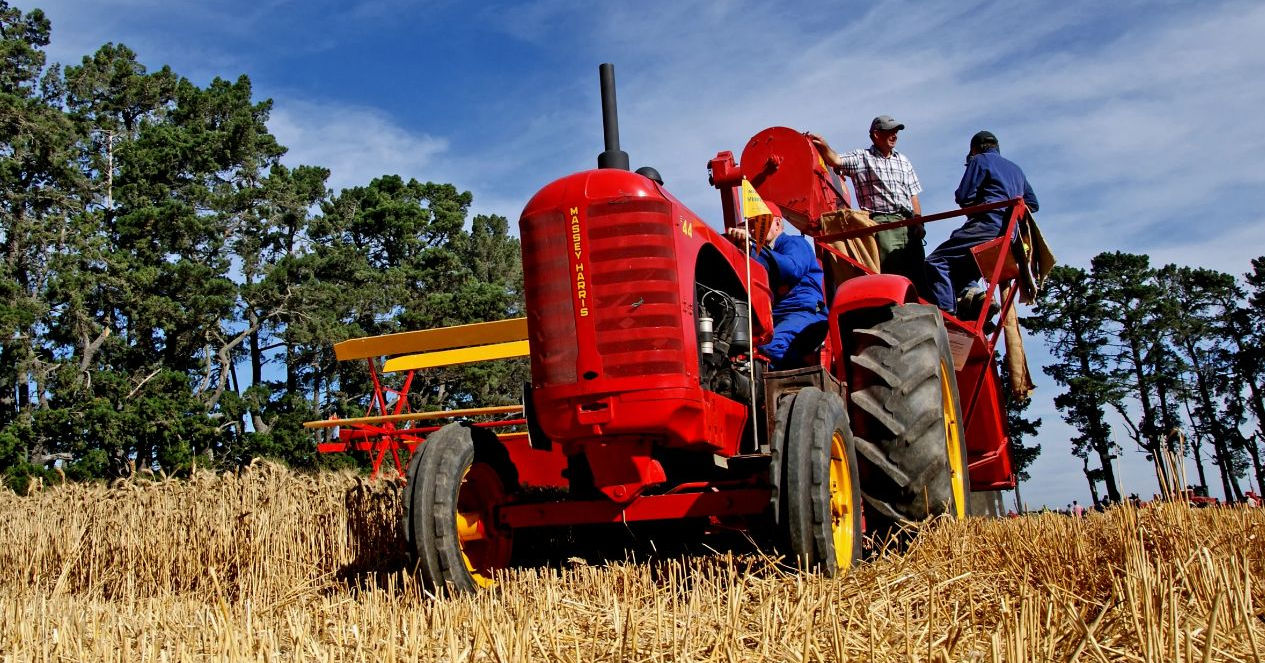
[650,401]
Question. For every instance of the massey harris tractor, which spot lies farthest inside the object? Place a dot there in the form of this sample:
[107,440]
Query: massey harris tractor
[650,401]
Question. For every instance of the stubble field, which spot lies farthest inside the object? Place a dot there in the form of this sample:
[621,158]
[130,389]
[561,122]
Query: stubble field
[276,565]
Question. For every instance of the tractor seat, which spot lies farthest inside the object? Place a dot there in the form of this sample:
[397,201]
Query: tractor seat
[986,255]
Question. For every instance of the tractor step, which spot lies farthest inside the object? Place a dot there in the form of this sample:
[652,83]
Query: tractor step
[744,463]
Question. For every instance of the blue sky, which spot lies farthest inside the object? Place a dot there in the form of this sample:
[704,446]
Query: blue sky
[1138,123]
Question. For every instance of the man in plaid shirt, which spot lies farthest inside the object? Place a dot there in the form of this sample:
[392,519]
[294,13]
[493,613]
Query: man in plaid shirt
[887,186]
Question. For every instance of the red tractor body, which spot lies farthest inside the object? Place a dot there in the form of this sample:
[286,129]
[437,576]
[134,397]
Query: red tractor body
[644,325]
[609,263]
[609,259]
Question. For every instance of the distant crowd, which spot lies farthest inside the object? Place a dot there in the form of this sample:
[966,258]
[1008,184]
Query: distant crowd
[1195,497]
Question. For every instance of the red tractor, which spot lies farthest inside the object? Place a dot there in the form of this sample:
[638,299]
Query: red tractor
[647,384]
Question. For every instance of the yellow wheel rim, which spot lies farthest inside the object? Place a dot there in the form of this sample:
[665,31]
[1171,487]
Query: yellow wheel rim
[953,443]
[842,503]
[484,548]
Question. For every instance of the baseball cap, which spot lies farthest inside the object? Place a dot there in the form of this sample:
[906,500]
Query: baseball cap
[982,138]
[885,123]
[773,208]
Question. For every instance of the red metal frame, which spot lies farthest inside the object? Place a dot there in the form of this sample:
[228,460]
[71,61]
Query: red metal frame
[977,376]
[380,439]
[785,167]
[388,437]
[732,502]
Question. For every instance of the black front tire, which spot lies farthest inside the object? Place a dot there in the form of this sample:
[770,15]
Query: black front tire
[821,487]
[455,486]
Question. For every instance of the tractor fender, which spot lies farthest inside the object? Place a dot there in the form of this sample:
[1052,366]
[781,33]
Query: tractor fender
[862,293]
[872,291]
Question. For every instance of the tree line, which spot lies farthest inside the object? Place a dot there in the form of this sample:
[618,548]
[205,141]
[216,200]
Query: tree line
[169,290]
[1176,354]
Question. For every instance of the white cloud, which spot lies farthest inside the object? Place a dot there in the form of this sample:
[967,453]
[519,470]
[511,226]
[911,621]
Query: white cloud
[1234,248]
[358,143]
[79,29]
[355,143]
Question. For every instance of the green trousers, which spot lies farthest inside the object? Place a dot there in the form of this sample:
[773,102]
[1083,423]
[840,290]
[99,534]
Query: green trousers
[898,253]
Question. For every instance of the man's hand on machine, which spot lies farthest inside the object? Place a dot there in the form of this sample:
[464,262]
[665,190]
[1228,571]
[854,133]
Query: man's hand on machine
[827,153]
[737,235]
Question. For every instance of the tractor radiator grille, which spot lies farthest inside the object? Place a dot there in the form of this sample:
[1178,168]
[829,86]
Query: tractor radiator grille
[550,313]
[633,270]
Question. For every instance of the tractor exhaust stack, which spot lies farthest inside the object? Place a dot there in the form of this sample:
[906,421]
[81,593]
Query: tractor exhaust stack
[613,157]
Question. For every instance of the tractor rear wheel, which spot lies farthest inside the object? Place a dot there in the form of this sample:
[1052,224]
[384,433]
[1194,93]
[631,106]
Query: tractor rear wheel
[455,486]
[908,417]
[820,488]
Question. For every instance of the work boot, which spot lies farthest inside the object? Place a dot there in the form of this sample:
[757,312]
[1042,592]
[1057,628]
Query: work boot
[970,299]
[971,302]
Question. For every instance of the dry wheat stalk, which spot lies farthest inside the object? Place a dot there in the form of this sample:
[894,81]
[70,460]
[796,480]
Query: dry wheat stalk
[271,564]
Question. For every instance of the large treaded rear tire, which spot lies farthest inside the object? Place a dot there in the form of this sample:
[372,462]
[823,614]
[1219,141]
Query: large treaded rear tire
[907,417]
[821,488]
[454,487]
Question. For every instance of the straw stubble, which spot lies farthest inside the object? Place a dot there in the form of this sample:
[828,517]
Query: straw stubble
[270,564]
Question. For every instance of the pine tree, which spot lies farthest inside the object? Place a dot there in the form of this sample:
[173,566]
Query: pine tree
[1201,329]
[1071,316]
[1137,317]
[38,186]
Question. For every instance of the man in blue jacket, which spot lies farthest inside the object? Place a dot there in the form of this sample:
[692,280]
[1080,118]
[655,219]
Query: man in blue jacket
[799,310]
[989,178]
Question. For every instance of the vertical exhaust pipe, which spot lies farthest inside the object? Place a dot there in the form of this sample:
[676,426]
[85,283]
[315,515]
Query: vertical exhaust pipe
[613,157]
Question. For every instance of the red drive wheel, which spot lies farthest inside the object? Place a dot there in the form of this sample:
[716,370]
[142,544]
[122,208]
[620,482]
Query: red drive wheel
[455,488]
[908,416]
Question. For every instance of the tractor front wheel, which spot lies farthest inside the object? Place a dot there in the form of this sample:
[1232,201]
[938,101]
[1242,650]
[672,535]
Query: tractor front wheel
[821,490]
[454,489]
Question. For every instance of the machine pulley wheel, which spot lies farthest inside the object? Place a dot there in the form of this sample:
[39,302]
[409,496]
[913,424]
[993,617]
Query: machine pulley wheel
[454,488]
[907,417]
[821,488]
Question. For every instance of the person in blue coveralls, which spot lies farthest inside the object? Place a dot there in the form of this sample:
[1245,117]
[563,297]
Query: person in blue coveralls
[799,309]
[989,178]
